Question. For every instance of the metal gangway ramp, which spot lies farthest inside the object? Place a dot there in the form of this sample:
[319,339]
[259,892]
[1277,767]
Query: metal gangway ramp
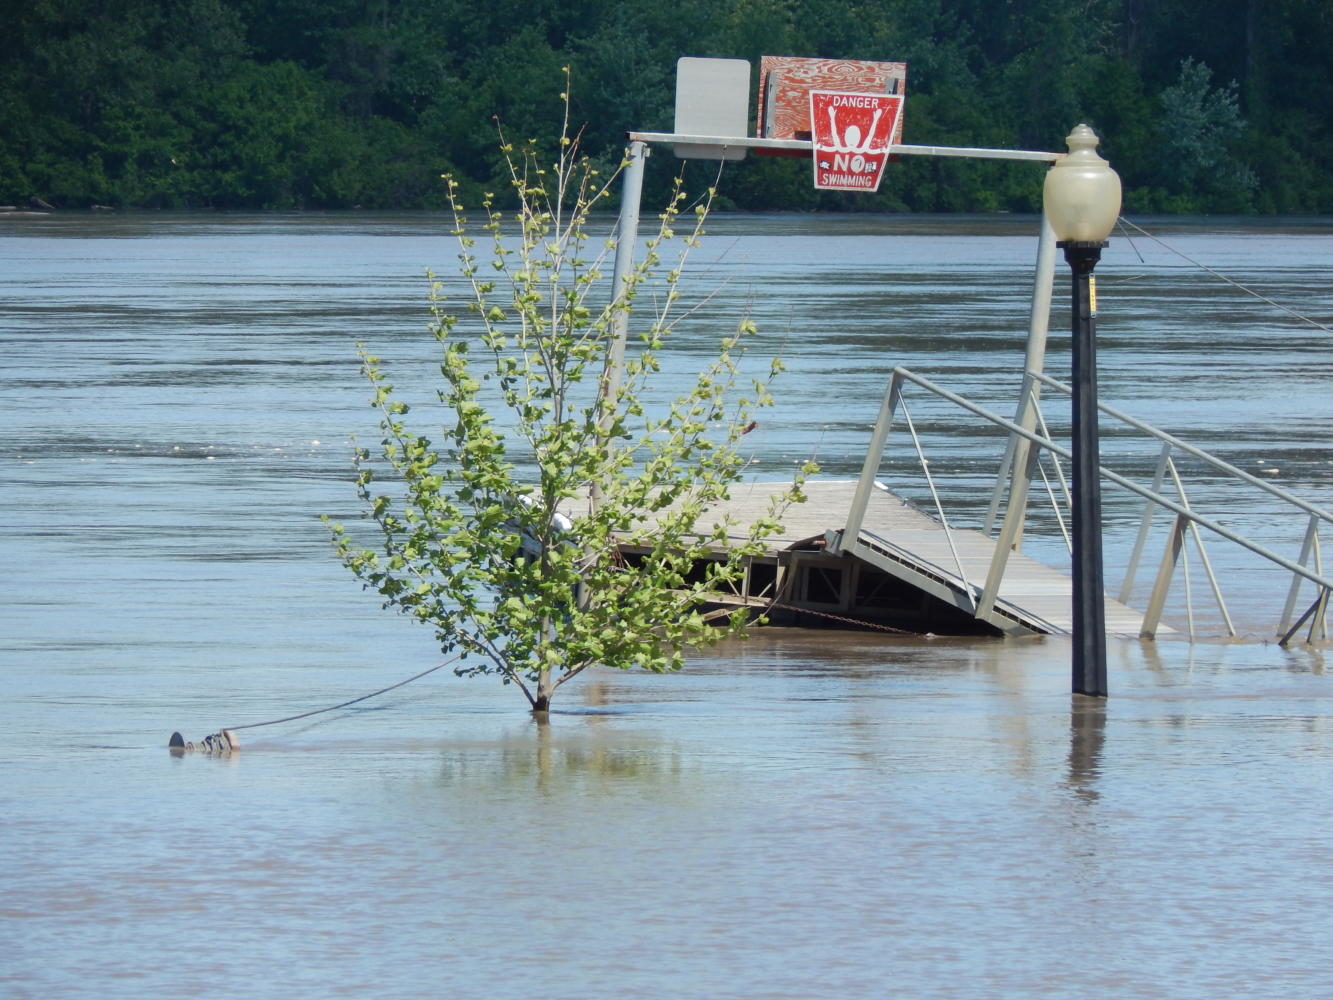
[906,543]
[953,564]
[984,572]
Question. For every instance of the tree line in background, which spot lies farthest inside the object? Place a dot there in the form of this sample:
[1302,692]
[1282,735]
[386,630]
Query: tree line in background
[285,104]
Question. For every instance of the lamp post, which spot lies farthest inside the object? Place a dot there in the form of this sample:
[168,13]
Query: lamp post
[1081,199]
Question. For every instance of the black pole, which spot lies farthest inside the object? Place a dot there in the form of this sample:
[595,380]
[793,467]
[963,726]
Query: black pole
[1089,593]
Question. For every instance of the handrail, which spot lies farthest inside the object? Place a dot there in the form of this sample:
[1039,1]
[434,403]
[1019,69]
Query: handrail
[1199,453]
[1182,510]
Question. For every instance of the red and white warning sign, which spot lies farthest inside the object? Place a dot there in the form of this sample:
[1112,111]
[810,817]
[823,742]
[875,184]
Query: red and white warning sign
[851,135]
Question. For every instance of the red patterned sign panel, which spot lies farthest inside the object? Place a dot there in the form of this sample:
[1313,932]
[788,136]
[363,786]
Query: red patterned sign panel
[851,138]
[785,83]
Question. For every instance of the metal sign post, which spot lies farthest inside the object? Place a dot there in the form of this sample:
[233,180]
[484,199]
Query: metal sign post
[627,236]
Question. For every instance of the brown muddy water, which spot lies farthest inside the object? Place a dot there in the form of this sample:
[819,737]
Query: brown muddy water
[799,815]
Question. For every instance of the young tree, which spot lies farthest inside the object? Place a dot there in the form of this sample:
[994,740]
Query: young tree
[507,536]
[1198,126]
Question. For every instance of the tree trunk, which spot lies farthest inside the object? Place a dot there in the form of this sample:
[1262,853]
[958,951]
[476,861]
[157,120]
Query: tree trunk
[1255,95]
[542,702]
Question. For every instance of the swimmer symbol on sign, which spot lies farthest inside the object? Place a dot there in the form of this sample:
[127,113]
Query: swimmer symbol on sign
[851,138]
[851,134]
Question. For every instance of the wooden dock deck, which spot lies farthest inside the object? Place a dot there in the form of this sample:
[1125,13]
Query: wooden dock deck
[819,572]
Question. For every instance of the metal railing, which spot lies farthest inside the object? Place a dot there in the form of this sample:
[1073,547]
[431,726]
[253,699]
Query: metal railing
[1028,441]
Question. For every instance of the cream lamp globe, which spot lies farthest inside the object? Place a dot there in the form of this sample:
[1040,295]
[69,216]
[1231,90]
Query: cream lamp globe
[1081,195]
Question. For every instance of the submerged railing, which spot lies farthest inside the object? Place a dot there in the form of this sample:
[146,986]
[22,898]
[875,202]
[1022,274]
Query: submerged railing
[1030,449]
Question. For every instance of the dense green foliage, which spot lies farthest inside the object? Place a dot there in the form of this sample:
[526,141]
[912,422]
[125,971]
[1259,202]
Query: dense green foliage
[504,534]
[1223,107]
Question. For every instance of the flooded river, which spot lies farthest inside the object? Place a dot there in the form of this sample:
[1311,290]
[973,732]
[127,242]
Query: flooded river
[831,815]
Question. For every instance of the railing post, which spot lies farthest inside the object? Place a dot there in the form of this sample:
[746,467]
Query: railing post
[1010,531]
[1162,586]
[1149,509]
[1311,538]
[870,469]
[1320,624]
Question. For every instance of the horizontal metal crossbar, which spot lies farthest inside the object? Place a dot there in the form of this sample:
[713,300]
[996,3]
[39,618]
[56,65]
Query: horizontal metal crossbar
[806,146]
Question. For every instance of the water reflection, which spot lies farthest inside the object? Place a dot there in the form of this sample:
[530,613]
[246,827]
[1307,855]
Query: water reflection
[1087,736]
[566,755]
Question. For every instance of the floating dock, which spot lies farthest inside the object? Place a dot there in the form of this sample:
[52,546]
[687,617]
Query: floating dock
[901,572]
